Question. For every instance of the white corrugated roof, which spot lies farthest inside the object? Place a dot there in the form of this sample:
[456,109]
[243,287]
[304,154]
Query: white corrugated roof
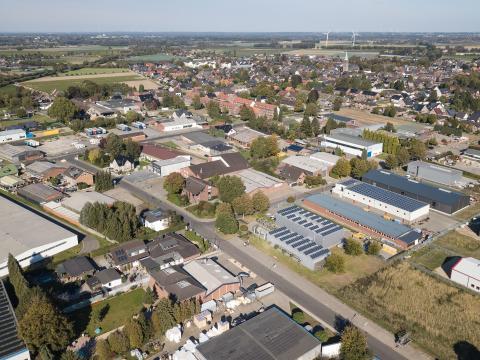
[469,266]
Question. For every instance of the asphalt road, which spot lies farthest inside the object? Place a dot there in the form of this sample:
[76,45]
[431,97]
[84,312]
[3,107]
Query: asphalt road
[294,292]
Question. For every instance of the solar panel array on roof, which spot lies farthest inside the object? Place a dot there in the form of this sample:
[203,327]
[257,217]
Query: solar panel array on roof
[308,223]
[358,215]
[296,242]
[387,197]
[10,343]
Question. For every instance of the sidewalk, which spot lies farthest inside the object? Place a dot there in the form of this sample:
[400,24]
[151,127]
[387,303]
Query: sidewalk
[331,302]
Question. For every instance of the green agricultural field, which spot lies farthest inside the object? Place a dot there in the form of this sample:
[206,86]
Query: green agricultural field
[439,317]
[94,71]
[8,90]
[153,58]
[62,85]
[120,309]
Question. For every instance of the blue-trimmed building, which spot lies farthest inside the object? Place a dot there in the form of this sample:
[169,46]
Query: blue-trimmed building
[391,232]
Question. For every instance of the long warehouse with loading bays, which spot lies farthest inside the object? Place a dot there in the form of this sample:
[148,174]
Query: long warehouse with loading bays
[305,235]
[439,199]
[391,203]
[391,232]
[28,236]
[353,145]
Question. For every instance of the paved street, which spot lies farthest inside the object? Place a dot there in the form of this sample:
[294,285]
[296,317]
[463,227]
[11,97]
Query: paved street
[313,299]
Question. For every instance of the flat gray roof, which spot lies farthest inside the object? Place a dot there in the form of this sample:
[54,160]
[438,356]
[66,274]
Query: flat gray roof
[357,140]
[22,230]
[271,335]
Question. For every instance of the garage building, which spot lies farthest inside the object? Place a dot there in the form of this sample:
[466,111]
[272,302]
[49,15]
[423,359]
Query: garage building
[28,236]
[353,145]
[439,199]
[391,203]
[466,272]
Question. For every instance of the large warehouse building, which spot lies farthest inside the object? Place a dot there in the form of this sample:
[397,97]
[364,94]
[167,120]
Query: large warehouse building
[436,173]
[353,145]
[271,335]
[393,233]
[466,272]
[28,236]
[305,235]
[439,199]
[391,203]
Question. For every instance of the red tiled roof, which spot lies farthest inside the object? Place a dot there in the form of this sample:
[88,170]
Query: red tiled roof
[158,152]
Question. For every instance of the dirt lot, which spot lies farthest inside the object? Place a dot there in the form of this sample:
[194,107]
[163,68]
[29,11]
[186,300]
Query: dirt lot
[367,118]
[82,77]
[62,145]
[147,84]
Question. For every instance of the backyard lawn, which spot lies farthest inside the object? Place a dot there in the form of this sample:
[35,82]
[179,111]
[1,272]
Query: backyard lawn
[120,309]
[94,71]
[430,256]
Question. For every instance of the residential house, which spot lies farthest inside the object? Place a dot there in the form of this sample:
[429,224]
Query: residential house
[129,253]
[156,220]
[104,279]
[175,283]
[218,165]
[75,269]
[74,176]
[199,190]
[121,164]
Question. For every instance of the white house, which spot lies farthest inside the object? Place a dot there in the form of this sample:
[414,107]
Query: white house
[12,135]
[466,272]
[156,220]
[168,166]
[121,164]
[109,278]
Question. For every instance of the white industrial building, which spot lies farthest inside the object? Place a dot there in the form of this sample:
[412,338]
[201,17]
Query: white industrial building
[311,166]
[436,173]
[391,203]
[12,135]
[353,145]
[466,272]
[168,166]
[329,160]
[28,236]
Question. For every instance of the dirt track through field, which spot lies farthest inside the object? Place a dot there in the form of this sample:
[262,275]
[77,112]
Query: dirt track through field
[83,77]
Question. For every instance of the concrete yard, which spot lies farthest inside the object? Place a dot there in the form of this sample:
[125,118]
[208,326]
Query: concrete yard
[62,145]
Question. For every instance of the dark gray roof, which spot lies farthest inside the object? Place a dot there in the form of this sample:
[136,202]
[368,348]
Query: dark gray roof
[75,267]
[107,275]
[271,335]
[155,215]
[177,282]
[170,243]
[10,343]
[231,162]
[376,177]
[195,185]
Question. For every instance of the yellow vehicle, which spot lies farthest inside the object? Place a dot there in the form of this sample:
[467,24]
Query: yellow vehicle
[359,236]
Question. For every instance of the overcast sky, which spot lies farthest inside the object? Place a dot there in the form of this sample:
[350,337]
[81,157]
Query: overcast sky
[239,15]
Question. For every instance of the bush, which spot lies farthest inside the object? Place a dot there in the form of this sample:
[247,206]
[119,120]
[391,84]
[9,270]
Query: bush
[352,247]
[291,199]
[298,316]
[321,335]
[373,248]
[335,263]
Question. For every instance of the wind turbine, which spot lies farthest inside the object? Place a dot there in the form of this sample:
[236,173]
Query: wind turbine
[354,35]
[326,40]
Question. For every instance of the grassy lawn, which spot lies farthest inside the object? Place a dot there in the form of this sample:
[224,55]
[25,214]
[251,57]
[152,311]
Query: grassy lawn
[62,85]
[37,117]
[8,90]
[202,244]
[461,244]
[437,315]
[355,266]
[430,256]
[204,210]
[469,212]
[121,308]
[177,199]
[94,71]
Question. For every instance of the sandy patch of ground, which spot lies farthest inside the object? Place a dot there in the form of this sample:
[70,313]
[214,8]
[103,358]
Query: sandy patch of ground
[147,84]
[83,77]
